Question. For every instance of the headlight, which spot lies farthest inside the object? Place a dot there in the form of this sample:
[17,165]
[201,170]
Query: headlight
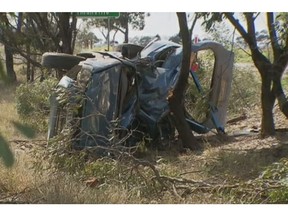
[84,76]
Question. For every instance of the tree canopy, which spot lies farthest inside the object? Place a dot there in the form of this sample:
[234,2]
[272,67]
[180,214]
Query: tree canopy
[121,24]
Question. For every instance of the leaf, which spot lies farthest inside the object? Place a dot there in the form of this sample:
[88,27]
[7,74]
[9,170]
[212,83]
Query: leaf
[25,129]
[5,152]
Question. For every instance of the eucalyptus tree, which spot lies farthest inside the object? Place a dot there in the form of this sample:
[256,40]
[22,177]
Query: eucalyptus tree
[270,69]
[120,24]
[32,34]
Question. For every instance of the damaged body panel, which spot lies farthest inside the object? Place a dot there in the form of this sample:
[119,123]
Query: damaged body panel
[120,94]
[160,75]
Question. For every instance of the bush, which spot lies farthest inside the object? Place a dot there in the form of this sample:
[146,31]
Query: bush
[32,101]
[277,176]
[196,103]
[244,95]
[245,91]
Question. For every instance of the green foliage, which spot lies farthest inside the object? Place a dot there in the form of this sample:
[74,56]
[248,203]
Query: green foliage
[281,27]
[222,34]
[276,176]
[33,102]
[245,91]
[136,20]
[25,129]
[242,56]
[277,171]
[87,39]
[196,103]
[210,19]
[5,152]
[279,196]
[285,82]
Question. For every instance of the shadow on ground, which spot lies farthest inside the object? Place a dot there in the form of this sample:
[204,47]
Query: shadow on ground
[246,164]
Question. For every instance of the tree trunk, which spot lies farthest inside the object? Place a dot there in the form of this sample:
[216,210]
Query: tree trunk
[268,97]
[126,35]
[28,71]
[176,98]
[267,104]
[11,75]
[66,31]
[278,89]
[32,73]
[270,73]
[267,73]
[126,39]
[28,65]
[74,31]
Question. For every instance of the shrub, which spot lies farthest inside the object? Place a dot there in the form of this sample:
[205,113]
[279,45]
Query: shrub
[245,91]
[196,103]
[276,175]
[32,101]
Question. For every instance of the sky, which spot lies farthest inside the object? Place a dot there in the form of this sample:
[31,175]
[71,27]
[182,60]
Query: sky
[166,24]
[141,6]
[163,19]
[162,23]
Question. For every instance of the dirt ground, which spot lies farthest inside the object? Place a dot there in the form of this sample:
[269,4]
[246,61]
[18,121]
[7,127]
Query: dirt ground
[240,155]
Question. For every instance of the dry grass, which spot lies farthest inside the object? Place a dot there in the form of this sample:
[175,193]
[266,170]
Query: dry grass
[23,183]
[8,111]
[224,161]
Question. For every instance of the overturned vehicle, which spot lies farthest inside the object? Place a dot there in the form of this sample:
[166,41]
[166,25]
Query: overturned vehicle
[122,95]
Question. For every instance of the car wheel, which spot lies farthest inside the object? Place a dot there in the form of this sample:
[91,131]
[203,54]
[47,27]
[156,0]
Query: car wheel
[60,60]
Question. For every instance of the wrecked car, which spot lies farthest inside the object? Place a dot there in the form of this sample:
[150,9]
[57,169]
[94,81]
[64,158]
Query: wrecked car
[104,95]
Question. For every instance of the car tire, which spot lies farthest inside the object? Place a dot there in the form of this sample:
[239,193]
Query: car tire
[60,60]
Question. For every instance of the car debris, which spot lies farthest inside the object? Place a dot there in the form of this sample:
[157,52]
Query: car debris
[104,94]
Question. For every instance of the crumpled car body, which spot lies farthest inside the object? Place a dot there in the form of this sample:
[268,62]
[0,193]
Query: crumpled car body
[117,95]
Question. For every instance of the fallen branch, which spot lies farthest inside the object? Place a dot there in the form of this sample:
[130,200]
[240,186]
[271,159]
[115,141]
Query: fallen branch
[237,119]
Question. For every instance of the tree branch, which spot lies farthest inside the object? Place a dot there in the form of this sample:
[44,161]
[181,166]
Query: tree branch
[251,31]
[103,34]
[238,26]
[193,24]
[176,96]
[37,18]
[273,36]
[118,29]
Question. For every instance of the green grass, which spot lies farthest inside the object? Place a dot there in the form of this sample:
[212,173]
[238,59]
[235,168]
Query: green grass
[242,56]
[284,82]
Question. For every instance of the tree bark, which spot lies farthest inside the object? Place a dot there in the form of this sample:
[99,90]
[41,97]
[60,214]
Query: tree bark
[278,89]
[11,75]
[271,73]
[267,104]
[126,33]
[66,32]
[65,35]
[28,65]
[126,27]
[176,98]
[73,31]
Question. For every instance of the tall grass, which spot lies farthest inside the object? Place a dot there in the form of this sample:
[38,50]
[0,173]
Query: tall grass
[8,112]
[120,181]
